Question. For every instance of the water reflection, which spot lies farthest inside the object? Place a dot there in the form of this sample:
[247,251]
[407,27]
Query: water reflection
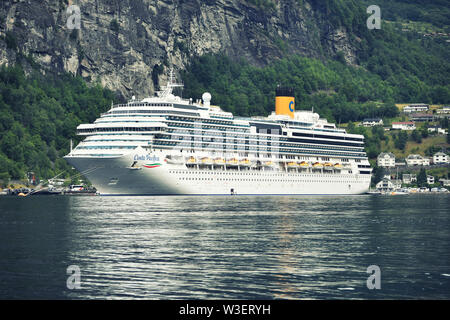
[225,247]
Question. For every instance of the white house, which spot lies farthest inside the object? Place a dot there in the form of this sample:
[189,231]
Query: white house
[385,185]
[443,110]
[417,160]
[440,157]
[397,183]
[56,182]
[430,179]
[409,178]
[408,125]
[386,160]
[371,122]
[421,117]
[437,129]
[416,107]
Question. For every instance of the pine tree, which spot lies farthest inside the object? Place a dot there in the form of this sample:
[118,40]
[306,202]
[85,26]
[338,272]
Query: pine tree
[422,178]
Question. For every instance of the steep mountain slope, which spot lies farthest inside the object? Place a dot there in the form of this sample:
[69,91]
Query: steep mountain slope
[124,43]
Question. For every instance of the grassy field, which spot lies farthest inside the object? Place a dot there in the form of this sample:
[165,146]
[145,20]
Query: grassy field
[438,172]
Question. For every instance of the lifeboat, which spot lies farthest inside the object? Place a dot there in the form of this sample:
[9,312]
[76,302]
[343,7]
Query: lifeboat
[206,160]
[328,166]
[292,164]
[338,165]
[317,165]
[268,163]
[219,161]
[304,164]
[192,160]
[244,162]
[232,161]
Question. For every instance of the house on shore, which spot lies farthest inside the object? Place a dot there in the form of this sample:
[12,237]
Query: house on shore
[416,107]
[422,117]
[408,178]
[437,129]
[386,160]
[417,160]
[385,185]
[440,158]
[408,125]
[443,110]
[371,122]
[397,183]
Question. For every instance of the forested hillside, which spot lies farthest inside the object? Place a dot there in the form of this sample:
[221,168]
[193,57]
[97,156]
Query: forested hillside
[39,115]
[338,92]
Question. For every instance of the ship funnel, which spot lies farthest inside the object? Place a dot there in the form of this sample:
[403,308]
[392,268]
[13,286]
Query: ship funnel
[285,101]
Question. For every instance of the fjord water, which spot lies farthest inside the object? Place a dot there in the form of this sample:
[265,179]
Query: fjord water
[232,247]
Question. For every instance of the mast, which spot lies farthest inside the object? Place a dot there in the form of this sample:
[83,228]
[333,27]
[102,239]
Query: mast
[171,84]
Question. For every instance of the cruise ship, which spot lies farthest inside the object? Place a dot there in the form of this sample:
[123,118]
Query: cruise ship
[167,145]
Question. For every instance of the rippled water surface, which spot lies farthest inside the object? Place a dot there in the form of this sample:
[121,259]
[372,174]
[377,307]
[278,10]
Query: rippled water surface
[225,247]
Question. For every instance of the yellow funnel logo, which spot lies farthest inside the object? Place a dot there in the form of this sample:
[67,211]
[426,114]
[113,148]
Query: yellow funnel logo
[291,106]
[285,105]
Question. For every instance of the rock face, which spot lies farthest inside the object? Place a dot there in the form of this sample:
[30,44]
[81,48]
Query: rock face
[126,44]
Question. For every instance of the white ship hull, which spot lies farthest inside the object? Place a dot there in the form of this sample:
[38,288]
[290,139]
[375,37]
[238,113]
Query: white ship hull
[114,176]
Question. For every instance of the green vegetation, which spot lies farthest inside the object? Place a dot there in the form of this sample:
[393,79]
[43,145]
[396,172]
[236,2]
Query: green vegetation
[377,175]
[338,92]
[422,178]
[38,116]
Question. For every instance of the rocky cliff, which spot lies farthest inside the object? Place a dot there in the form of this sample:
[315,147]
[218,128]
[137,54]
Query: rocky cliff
[127,44]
